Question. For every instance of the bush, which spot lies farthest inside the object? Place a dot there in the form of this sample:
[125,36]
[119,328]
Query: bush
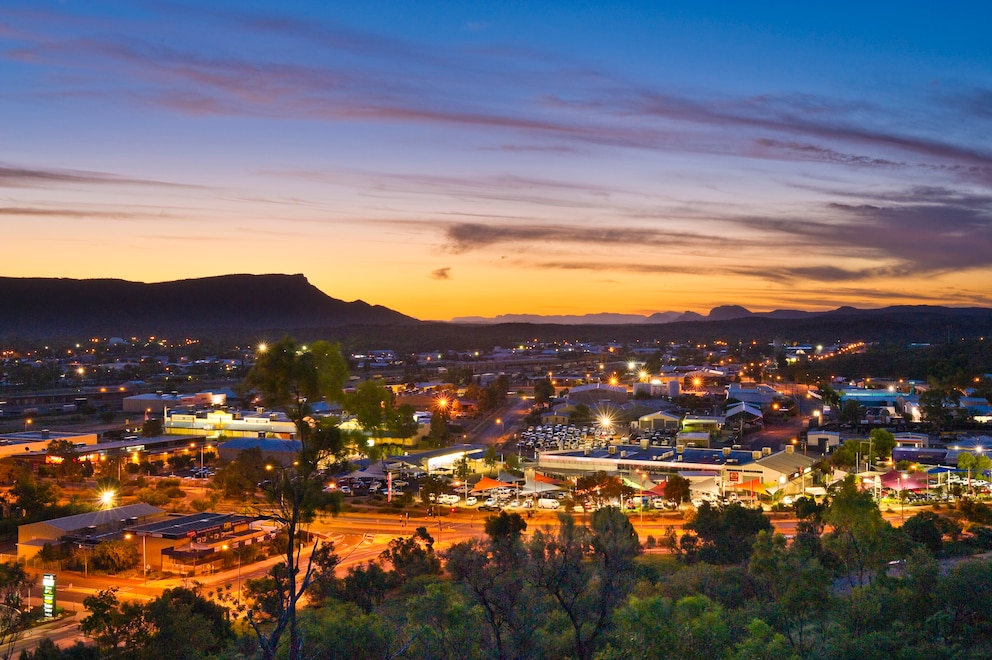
[153,496]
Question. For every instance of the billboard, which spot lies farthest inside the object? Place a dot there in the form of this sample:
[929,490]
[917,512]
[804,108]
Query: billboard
[48,595]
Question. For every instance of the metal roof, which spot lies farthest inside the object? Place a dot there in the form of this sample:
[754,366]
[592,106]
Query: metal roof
[103,517]
[189,525]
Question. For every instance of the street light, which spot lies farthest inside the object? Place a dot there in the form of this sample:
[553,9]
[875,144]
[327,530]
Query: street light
[642,475]
[144,555]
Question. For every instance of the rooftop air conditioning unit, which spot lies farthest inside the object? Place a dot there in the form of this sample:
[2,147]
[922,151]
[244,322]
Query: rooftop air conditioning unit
[789,449]
[766,451]
[612,449]
[726,451]
[623,454]
[755,455]
[679,449]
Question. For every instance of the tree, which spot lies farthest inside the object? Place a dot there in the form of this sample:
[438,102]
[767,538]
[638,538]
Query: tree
[115,556]
[925,528]
[489,459]
[14,581]
[33,496]
[859,539]
[724,535]
[937,404]
[112,624]
[241,477]
[401,422]
[587,593]
[544,391]
[677,489]
[447,627]
[371,404]
[63,452]
[970,462]
[186,625]
[493,573]
[293,377]
[850,412]
[365,585]
[152,428]
[881,443]
[966,461]
[791,584]
[412,557]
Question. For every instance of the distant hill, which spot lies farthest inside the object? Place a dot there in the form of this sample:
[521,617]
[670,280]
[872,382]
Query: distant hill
[48,307]
[563,319]
[723,313]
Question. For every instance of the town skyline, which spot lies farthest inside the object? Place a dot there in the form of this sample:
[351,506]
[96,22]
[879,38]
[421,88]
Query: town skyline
[491,160]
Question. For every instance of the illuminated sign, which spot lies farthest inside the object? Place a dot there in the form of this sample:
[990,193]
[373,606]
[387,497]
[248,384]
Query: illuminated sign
[48,595]
[733,476]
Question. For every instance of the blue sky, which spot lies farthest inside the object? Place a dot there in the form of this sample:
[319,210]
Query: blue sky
[449,159]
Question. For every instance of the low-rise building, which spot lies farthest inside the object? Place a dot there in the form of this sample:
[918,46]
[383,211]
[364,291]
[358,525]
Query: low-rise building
[84,528]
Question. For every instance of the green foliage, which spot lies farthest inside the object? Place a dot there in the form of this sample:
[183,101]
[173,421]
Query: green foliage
[342,631]
[723,535]
[850,412]
[677,489]
[152,428]
[115,556]
[290,376]
[14,581]
[411,557]
[881,443]
[364,585]
[372,406]
[860,540]
[32,495]
[544,391]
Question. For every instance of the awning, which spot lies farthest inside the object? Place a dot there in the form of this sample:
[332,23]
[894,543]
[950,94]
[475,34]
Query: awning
[658,490]
[487,483]
[752,486]
[538,487]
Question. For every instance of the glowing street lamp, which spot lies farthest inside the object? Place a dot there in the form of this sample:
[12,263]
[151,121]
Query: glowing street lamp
[107,498]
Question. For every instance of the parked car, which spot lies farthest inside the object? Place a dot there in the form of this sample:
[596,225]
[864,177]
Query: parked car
[471,500]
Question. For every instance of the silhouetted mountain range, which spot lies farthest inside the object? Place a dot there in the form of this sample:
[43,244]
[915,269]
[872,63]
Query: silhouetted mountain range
[46,307]
[246,307]
[722,313]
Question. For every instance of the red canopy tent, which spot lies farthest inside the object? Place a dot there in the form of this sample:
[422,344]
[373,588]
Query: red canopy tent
[658,490]
[754,486]
[487,483]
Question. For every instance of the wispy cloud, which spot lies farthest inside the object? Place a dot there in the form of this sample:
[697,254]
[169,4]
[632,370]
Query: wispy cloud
[22,177]
[441,273]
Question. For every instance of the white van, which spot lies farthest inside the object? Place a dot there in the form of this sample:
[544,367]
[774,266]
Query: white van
[547,503]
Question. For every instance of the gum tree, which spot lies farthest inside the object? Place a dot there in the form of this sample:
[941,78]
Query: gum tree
[293,377]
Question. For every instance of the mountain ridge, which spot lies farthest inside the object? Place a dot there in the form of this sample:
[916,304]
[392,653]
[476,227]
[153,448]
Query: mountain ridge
[36,307]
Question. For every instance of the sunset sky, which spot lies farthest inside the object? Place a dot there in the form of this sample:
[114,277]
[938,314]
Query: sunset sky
[449,159]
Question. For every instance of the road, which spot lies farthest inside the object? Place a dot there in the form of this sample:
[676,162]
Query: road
[510,416]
